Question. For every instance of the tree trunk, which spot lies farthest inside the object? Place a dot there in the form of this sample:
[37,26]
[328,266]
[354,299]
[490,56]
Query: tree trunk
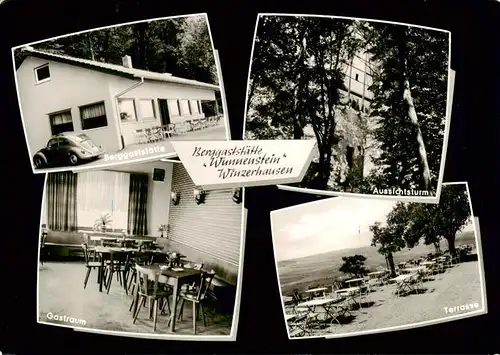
[437,247]
[91,49]
[390,258]
[411,111]
[451,244]
[412,114]
[324,166]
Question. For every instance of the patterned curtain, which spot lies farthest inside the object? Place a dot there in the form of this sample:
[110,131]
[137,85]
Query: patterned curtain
[61,201]
[137,204]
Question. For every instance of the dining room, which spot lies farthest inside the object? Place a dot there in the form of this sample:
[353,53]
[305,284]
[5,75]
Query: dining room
[139,249]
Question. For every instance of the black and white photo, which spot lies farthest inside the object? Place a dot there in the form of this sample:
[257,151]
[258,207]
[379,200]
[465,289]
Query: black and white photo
[139,250]
[119,94]
[374,96]
[350,266]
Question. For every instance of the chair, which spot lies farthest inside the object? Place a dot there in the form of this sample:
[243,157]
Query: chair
[42,246]
[90,263]
[118,263]
[151,286]
[139,259]
[140,136]
[197,297]
[169,130]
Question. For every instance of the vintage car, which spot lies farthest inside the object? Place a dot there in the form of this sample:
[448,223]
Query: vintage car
[67,149]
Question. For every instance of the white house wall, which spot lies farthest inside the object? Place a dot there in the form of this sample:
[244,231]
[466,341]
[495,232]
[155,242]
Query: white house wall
[69,87]
[155,90]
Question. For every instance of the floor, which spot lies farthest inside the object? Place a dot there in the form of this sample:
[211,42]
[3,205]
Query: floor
[457,286]
[152,150]
[61,293]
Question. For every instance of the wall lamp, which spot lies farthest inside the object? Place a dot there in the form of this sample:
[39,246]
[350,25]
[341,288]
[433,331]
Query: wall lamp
[175,197]
[237,195]
[199,195]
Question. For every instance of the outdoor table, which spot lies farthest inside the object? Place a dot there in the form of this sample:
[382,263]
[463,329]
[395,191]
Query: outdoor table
[314,290]
[415,270]
[350,293]
[428,263]
[404,282]
[175,279]
[328,304]
[287,299]
[289,317]
[377,275]
[358,281]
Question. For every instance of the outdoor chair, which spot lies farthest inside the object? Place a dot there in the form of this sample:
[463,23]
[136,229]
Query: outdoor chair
[140,136]
[151,287]
[90,263]
[302,324]
[197,296]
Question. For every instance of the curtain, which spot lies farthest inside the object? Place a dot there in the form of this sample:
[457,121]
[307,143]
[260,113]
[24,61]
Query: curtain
[102,192]
[137,204]
[95,110]
[61,201]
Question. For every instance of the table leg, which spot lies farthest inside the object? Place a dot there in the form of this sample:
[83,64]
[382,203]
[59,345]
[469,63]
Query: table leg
[173,314]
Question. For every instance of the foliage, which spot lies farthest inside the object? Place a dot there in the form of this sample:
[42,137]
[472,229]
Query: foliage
[354,265]
[103,222]
[296,81]
[431,222]
[296,88]
[425,57]
[180,46]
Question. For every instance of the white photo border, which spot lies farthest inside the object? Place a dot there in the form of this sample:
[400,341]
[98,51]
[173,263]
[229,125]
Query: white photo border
[184,337]
[482,311]
[127,161]
[449,104]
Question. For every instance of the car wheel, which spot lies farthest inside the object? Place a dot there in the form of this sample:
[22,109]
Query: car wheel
[38,162]
[73,158]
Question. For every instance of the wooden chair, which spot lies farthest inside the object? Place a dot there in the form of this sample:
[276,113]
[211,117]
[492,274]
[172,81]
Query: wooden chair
[90,263]
[118,263]
[151,287]
[42,246]
[197,297]
[139,259]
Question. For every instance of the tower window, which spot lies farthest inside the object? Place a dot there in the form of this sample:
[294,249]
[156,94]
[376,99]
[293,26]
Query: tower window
[350,156]
[357,77]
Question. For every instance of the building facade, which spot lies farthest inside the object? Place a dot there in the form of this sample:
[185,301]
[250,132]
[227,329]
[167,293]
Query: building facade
[107,102]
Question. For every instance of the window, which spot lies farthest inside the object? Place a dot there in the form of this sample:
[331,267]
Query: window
[53,143]
[61,122]
[357,77]
[173,107]
[101,192]
[199,107]
[185,108]
[127,110]
[194,107]
[93,116]
[147,110]
[42,74]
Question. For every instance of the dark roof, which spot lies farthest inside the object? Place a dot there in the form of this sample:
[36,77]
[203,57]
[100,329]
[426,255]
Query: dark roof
[116,69]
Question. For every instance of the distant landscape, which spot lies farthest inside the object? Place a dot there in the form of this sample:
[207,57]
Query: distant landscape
[322,269]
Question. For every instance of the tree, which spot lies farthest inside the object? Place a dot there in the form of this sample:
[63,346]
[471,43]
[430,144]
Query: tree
[354,265]
[298,75]
[432,222]
[180,46]
[410,88]
[389,238]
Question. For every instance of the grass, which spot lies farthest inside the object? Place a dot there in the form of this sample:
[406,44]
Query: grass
[322,269]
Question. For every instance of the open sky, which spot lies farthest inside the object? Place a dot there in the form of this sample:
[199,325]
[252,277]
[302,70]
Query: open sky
[328,225]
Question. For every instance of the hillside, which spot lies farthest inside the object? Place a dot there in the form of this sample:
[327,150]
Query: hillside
[322,269]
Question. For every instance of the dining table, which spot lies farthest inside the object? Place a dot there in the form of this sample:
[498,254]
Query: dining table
[176,277]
